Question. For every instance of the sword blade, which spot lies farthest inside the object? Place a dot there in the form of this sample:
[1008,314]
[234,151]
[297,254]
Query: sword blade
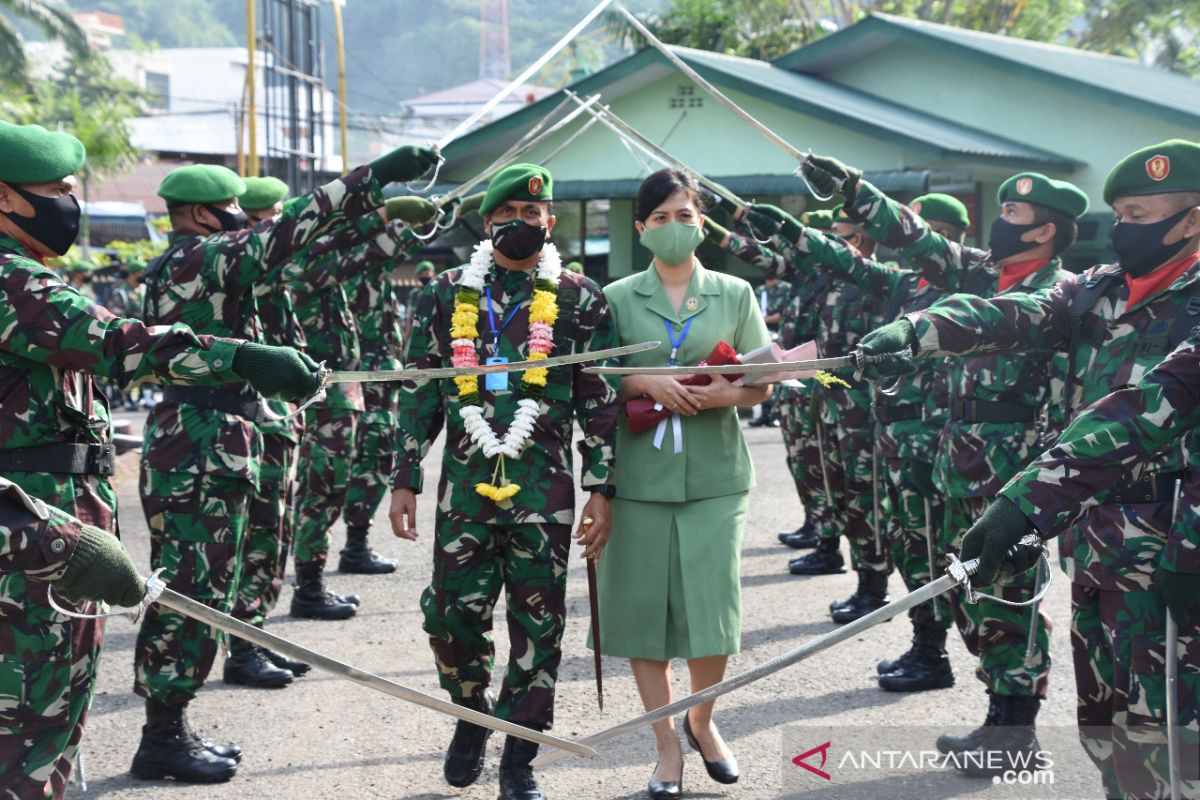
[360,376]
[199,611]
[840,362]
[1172,679]
[594,599]
[806,650]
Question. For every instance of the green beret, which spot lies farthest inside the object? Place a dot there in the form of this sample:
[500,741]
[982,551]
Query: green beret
[135,265]
[1172,166]
[80,266]
[1037,189]
[939,207]
[201,183]
[518,182]
[262,193]
[425,265]
[575,266]
[820,220]
[32,154]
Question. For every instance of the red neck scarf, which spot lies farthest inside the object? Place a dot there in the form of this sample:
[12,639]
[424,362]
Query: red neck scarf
[1154,282]
[1012,274]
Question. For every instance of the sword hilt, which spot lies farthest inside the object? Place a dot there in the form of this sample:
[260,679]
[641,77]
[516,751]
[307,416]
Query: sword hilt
[962,571]
[837,182]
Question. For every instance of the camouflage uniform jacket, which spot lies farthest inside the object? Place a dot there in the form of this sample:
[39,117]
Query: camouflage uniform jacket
[277,313]
[1116,545]
[52,341]
[375,303]
[29,532]
[126,301]
[975,459]
[773,300]
[367,246]
[544,470]
[209,283]
[1120,435]
[899,291]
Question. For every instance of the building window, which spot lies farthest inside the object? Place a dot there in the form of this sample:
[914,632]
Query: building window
[685,97]
[158,87]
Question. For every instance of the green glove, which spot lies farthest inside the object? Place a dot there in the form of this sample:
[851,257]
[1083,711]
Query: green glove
[411,210]
[992,537]
[1180,592]
[100,569]
[277,371]
[470,203]
[721,201]
[788,226]
[403,164]
[715,233]
[889,351]
[830,177]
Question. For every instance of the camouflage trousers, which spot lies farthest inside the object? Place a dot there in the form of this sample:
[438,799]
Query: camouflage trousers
[798,424]
[197,526]
[374,454]
[915,533]
[322,475]
[850,458]
[996,633]
[1118,643]
[48,661]
[47,678]
[268,532]
[471,563]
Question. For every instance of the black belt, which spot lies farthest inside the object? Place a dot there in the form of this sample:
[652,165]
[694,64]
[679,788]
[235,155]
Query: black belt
[967,409]
[217,400]
[1153,487]
[885,414]
[65,458]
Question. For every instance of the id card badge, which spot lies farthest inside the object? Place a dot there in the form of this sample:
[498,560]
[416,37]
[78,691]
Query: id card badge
[496,381]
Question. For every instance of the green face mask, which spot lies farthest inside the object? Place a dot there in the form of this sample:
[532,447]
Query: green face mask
[674,242]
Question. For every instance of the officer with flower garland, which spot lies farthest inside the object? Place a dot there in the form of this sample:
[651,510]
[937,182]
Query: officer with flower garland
[506,502]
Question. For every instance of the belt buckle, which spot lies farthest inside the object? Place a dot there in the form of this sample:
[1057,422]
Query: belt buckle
[103,458]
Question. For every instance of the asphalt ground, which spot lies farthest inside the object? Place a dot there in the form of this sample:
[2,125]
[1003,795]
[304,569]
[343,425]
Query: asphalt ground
[327,738]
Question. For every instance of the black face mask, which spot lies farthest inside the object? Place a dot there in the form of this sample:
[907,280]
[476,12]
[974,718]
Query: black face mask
[519,240]
[230,221]
[1140,248]
[424,279]
[55,220]
[1004,238]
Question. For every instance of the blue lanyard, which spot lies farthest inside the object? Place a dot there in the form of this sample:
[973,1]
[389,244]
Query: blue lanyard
[492,319]
[675,345]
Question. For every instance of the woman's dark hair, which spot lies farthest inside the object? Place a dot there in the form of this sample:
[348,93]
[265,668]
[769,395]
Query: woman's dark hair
[655,190]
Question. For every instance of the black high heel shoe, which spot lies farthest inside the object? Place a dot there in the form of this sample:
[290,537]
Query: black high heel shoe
[720,771]
[665,790]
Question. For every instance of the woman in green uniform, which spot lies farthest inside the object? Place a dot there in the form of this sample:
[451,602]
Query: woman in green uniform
[669,580]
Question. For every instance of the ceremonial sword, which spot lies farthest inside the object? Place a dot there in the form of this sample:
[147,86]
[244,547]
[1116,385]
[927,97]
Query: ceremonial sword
[157,592]
[957,574]
[854,360]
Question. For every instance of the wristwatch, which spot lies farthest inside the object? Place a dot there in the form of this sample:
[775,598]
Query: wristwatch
[605,489]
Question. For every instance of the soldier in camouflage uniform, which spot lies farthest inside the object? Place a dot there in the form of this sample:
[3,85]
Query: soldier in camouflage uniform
[1115,322]
[773,298]
[55,429]
[201,460]
[126,301]
[424,272]
[520,543]
[998,412]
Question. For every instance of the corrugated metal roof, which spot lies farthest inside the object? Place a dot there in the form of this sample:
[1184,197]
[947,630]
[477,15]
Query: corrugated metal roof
[863,110]
[1115,75]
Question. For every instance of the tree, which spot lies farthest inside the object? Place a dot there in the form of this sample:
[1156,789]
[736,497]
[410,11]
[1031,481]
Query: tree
[51,18]
[1162,32]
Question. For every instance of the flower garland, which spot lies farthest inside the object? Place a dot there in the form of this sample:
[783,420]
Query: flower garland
[464,330]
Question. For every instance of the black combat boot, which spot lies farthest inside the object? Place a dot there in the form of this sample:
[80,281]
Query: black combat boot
[297,668]
[249,666]
[927,668]
[872,594]
[957,744]
[170,749]
[359,559]
[517,781]
[311,601]
[826,559]
[859,589]
[893,664]
[1010,744]
[230,751]
[464,756]
[803,538]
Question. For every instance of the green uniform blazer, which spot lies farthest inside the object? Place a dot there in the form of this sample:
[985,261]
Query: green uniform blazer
[715,460]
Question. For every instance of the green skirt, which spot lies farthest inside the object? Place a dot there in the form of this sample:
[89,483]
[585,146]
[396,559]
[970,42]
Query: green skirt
[669,581]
